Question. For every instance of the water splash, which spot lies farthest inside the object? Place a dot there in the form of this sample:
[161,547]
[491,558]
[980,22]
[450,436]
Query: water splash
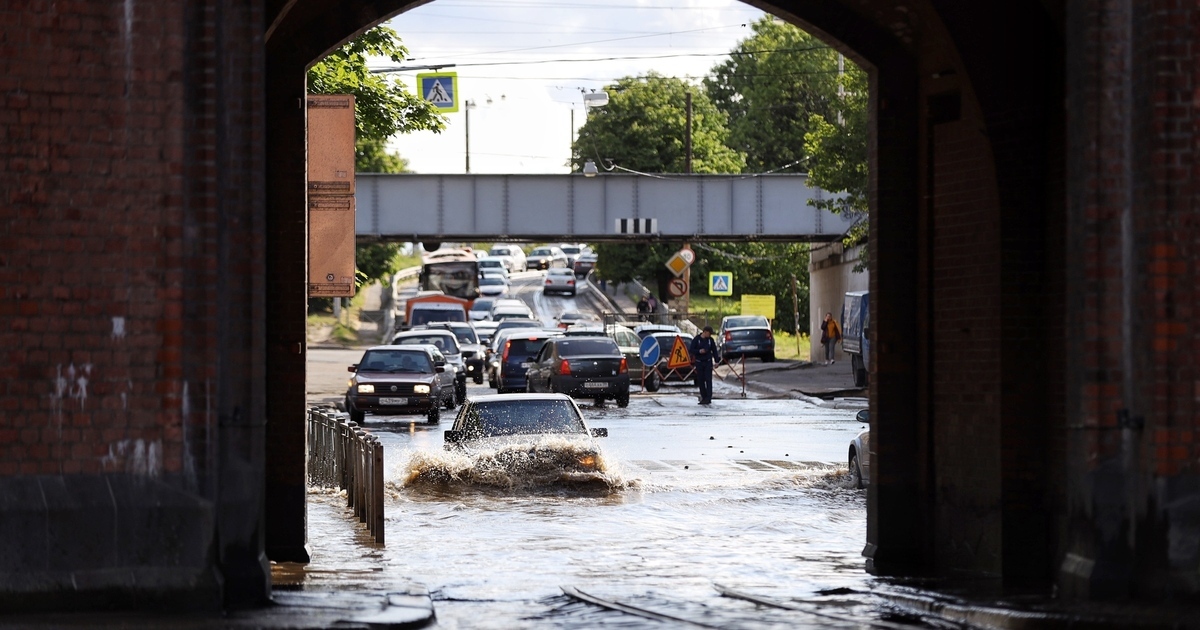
[540,464]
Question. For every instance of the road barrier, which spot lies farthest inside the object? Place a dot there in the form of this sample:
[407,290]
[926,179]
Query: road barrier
[344,454]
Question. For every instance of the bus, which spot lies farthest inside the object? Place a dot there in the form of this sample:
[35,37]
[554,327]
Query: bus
[454,272]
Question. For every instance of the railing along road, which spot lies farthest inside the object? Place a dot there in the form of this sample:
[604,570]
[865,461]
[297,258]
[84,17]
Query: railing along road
[343,454]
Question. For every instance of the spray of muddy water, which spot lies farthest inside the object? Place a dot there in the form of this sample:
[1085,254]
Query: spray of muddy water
[536,465]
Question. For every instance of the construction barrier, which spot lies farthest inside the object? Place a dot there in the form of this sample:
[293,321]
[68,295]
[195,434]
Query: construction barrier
[343,454]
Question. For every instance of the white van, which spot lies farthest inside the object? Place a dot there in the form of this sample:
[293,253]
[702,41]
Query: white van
[513,252]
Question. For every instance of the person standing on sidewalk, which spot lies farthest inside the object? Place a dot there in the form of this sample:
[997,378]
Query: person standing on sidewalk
[831,333]
[704,354]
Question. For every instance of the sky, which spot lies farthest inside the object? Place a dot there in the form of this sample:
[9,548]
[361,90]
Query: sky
[525,63]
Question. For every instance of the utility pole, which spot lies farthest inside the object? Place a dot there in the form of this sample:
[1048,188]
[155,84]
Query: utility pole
[467,117]
[796,313]
[687,142]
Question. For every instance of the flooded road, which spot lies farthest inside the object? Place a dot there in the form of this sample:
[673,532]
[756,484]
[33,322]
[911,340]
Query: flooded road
[750,494]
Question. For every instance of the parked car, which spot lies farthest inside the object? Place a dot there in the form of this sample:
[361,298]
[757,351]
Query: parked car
[581,367]
[860,452]
[511,312]
[447,343]
[515,427]
[497,264]
[470,344]
[493,286]
[400,380]
[584,265]
[515,353]
[481,309]
[746,336]
[514,254]
[546,257]
[559,281]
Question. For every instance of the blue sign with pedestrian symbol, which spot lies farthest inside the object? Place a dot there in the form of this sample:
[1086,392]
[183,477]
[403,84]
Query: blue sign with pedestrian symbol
[720,283]
[649,351]
[440,89]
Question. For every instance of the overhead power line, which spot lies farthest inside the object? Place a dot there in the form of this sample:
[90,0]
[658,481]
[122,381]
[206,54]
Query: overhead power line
[601,59]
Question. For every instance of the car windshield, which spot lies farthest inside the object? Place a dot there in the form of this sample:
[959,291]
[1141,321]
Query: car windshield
[570,250]
[588,346]
[445,343]
[482,304]
[566,273]
[395,361]
[428,316]
[491,263]
[492,281]
[501,315]
[522,417]
[741,322]
[540,252]
[465,335]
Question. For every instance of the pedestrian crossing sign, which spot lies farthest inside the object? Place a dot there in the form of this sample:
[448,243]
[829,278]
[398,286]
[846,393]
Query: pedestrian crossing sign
[440,89]
[720,283]
[680,357]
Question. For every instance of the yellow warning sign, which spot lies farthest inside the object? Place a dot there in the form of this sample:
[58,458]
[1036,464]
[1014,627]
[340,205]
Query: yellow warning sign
[679,355]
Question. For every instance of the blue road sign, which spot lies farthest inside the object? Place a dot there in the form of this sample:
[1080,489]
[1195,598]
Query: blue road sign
[441,89]
[649,351]
[720,283]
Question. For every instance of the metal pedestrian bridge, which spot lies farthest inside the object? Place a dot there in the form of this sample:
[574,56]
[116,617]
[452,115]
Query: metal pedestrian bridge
[607,207]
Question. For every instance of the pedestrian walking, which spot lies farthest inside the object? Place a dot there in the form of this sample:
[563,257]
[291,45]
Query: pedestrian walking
[704,354]
[831,333]
[643,308]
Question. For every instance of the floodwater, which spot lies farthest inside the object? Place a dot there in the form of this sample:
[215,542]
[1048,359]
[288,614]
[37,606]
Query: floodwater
[749,494]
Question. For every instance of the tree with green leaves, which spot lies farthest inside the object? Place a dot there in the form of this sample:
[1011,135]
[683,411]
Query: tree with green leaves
[644,128]
[837,163]
[770,87]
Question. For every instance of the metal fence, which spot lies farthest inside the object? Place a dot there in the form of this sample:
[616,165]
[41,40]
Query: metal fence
[343,454]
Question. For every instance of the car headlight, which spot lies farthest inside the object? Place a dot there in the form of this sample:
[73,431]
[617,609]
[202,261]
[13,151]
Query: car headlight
[587,461]
[366,389]
[420,389]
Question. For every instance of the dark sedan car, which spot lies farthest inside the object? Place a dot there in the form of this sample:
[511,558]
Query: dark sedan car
[746,336]
[400,380]
[515,354]
[582,367]
[447,343]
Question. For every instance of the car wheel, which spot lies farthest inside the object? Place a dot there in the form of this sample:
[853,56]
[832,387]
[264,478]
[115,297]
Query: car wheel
[599,401]
[451,401]
[435,414]
[623,400]
[855,471]
[860,372]
[768,358]
[355,415]
[479,379]
[572,293]
[653,382]
[460,393]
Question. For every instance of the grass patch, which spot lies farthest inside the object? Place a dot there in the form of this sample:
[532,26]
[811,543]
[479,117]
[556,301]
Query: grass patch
[785,346]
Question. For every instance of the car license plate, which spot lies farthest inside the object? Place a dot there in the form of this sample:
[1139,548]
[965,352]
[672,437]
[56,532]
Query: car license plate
[595,385]
[393,401]
[749,347]
[526,365]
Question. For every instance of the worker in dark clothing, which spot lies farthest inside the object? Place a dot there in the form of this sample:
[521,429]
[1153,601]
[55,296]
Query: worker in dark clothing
[704,354]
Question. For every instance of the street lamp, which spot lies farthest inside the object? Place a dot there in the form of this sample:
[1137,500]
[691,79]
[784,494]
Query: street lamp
[468,105]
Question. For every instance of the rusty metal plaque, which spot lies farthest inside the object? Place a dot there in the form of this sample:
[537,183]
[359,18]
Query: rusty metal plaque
[331,246]
[330,144]
[331,195]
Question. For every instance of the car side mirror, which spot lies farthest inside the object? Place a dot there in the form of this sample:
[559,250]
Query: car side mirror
[352,368]
[863,416]
[600,432]
[441,367]
[453,437]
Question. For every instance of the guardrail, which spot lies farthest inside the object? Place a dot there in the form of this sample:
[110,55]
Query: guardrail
[343,454]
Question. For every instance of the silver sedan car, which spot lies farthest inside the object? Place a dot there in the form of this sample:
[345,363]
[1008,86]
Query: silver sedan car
[860,452]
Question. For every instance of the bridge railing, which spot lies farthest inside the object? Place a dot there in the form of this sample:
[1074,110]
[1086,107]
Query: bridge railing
[342,454]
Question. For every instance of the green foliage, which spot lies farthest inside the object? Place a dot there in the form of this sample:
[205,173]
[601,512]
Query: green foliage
[837,149]
[644,127]
[383,107]
[371,156]
[772,85]
[759,269]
